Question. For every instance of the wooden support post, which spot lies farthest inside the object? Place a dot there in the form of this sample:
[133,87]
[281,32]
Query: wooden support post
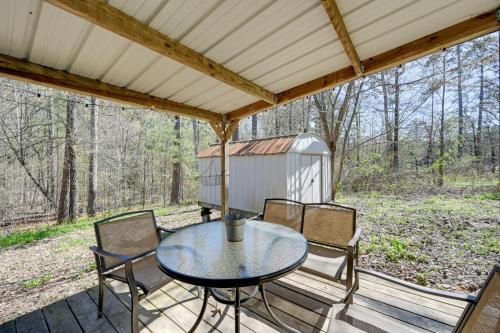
[224,185]
[224,130]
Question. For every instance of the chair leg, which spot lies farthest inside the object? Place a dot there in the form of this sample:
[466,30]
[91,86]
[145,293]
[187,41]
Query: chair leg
[135,314]
[350,270]
[100,278]
[101,298]
[134,295]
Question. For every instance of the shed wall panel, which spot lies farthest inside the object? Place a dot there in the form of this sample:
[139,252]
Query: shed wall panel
[252,179]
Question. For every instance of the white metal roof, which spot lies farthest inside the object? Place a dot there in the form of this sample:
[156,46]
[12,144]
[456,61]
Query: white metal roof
[276,44]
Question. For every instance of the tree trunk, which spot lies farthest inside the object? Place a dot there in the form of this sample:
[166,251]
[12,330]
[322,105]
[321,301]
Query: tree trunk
[92,186]
[236,133]
[479,133]
[73,186]
[387,121]
[395,141]
[50,155]
[289,110]
[144,178]
[68,164]
[460,105]
[175,189]
[441,129]
[339,123]
[254,126]
[276,122]
[430,146]
[343,153]
[357,142]
[196,136]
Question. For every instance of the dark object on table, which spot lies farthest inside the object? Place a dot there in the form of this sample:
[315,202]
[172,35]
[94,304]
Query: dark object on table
[235,227]
[329,228]
[125,250]
[480,315]
[201,255]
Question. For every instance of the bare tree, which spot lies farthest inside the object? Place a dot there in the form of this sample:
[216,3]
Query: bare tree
[395,140]
[332,133]
[68,181]
[441,128]
[460,104]
[175,190]
[236,133]
[196,136]
[254,126]
[92,185]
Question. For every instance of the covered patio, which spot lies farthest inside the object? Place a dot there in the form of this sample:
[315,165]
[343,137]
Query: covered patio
[220,62]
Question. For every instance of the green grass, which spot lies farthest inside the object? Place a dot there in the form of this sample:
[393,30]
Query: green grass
[421,278]
[47,231]
[37,281]
[24,237]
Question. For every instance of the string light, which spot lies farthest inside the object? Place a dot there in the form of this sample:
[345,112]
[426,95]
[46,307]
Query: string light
[40,95]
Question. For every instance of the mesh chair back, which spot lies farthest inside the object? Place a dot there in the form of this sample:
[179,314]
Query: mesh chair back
[329,224]
[485,316]
[284,212]
[127,234]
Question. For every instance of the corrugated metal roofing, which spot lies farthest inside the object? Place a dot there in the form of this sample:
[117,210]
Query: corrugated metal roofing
[278,44]
[267,146]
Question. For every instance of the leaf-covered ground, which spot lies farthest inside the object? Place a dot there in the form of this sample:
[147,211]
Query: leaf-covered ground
[443,241]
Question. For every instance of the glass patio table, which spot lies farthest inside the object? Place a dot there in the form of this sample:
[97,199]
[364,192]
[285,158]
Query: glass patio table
[201,255]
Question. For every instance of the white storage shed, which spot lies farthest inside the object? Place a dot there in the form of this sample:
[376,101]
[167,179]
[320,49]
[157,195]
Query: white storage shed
[296,167]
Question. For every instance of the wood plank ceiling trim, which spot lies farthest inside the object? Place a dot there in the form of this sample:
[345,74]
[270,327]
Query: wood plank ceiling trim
[116,21]
[34,73]
[338,24]
[458,33]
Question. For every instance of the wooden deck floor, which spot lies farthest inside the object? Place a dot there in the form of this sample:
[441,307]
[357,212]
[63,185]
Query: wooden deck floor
[301,300]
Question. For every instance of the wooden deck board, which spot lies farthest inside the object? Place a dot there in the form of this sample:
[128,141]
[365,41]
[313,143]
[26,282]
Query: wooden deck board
[85,311]
[8,327]
[247,318]
[300,299]
[33,322]
[60,319]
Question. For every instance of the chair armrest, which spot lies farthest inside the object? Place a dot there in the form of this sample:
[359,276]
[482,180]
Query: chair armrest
[122,257]
[163,229]
[257,217]
[446,294]
[352,242]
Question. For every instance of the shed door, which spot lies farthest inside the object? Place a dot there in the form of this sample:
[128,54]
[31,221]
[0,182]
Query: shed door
[310,178]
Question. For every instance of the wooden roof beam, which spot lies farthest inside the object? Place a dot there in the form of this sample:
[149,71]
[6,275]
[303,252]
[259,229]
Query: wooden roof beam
[458,33]
[116,21]
[34,73]
[338,24]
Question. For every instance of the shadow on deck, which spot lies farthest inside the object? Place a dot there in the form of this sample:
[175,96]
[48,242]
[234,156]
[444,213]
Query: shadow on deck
[301,300]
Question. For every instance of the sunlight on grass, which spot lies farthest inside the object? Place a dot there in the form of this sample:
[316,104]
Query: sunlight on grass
[37,281]
[24,237]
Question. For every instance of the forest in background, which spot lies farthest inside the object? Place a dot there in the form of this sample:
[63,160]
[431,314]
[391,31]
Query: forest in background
[416,127]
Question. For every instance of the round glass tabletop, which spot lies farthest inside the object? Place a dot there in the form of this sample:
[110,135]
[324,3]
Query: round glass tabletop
[201,255]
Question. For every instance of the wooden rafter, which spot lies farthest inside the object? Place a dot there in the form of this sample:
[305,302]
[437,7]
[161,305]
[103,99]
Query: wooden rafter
[338,24]
[116,21]
[458,33]
[27,71]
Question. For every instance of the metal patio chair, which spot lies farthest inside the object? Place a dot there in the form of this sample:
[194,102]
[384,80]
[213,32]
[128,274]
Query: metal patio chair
[125,250]
[481,315]
[333,241]
[285,212]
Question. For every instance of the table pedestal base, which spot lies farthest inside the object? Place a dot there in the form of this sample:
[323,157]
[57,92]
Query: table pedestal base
[218,296]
